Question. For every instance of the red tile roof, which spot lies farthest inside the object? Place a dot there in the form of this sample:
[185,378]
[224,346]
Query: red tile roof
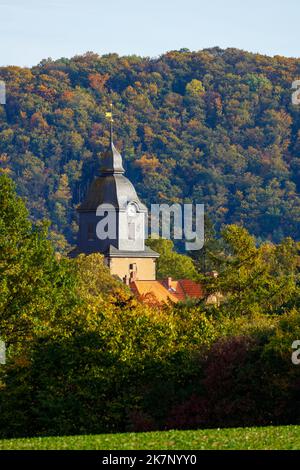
[166,290]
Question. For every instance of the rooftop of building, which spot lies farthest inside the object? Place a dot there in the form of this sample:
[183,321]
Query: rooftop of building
[167,290]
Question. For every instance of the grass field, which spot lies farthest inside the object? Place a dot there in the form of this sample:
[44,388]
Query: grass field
[281,437]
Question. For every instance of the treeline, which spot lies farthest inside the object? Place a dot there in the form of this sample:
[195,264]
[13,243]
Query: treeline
[85,356]
[216,127]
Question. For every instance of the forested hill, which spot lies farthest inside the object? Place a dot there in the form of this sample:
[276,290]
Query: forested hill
[215,127]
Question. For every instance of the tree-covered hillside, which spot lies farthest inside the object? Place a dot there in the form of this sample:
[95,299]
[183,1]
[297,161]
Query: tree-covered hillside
[215,127]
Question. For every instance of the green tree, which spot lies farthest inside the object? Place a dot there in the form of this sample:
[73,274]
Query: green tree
[36,288]
[170,263]
[255,278]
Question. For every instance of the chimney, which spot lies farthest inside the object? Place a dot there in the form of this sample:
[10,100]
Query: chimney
[169,282]
[126,280]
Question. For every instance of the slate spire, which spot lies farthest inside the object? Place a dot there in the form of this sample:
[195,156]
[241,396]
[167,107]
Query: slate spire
[112,160]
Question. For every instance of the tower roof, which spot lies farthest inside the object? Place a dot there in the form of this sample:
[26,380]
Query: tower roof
[114,189]
[111,187]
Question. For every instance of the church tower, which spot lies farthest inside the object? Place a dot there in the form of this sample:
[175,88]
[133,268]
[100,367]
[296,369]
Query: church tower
[112,221]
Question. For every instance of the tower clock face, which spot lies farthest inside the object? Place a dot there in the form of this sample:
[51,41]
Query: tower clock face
[131,210]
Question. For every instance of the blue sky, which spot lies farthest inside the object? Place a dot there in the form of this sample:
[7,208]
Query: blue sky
[31,30]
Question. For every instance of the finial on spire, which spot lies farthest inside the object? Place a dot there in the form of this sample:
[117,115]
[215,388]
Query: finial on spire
[109,115]
[112,159]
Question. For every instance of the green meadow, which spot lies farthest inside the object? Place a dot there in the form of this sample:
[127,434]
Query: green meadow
[265,438]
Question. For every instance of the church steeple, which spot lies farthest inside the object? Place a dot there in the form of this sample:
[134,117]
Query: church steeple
[112,160]
[112,220]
